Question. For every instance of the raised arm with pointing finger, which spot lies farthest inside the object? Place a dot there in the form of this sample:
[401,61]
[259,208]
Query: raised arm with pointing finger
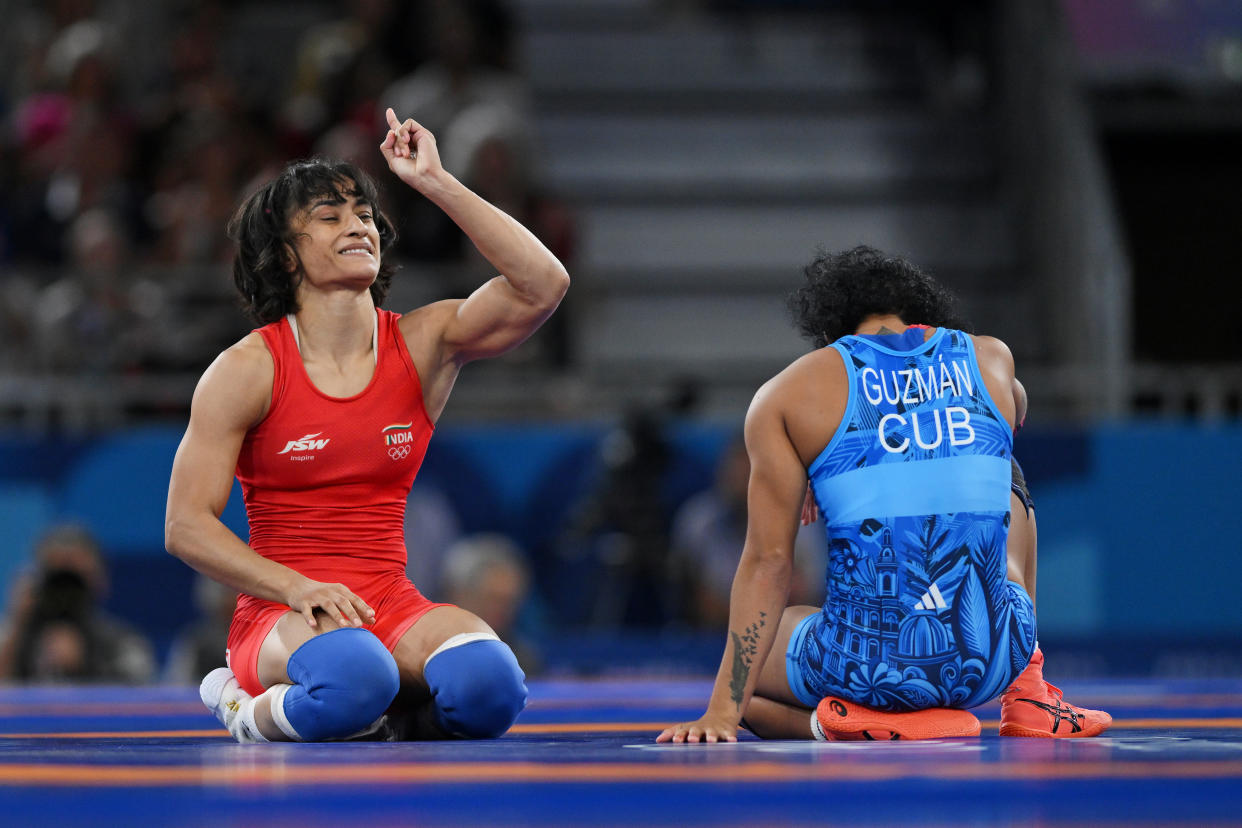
[511,306]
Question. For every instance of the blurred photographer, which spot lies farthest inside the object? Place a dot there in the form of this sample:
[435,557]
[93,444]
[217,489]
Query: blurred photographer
[56,630]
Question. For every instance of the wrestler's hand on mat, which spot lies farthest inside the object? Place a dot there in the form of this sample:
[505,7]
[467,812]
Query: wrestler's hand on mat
[709,729]
[341,605]
[810,509]
[411,153]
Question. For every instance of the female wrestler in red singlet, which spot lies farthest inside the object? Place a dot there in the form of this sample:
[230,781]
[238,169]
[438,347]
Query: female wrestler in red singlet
[324,414]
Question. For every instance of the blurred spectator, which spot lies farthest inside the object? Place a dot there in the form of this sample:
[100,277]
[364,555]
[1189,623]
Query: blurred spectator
[467,93]
[193,188]
[114,161]
[123,165]
[622,528]
[488,575]
[709,531]
[199,648]
[84,319]
[494,155]
[56,629]
[18,294]
[352,142]
[74,139]
[343,66]
[468,63]
[466,73]
[431,529]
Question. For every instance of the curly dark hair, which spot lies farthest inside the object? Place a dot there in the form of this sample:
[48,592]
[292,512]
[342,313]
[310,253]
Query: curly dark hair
[262,227]
[843,289]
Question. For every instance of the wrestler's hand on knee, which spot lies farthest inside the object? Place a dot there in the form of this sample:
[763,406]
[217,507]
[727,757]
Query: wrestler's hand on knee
[341,605]
[709,729]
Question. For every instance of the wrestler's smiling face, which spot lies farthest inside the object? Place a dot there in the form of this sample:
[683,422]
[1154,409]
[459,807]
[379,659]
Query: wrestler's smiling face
[338,243]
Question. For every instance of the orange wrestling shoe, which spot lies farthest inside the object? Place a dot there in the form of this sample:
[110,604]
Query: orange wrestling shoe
[1033,707]
[837,720]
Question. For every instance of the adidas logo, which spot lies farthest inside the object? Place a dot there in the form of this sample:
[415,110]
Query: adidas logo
[931,600]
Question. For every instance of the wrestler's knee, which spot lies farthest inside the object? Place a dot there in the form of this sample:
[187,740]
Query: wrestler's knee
[477,685]
[345,679]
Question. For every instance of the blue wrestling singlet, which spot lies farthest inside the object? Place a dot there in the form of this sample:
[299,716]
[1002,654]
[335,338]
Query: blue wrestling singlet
[914,493]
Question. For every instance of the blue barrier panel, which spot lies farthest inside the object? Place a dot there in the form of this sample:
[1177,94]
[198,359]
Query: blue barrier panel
[39,459]
[1146,538]
[1172,527]
[25,511]
[119,486]
[119,489]
[1137,526]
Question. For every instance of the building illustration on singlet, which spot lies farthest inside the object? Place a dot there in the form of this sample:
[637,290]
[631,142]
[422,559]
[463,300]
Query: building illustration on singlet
[919,610]
[915,631]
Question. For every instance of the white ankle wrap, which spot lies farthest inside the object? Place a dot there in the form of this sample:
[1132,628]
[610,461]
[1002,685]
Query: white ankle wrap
[276,693]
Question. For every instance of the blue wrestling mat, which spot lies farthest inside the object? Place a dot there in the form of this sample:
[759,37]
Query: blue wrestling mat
[583,754]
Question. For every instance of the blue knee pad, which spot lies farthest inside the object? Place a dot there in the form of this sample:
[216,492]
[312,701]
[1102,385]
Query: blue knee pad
[343,681]
[477,686]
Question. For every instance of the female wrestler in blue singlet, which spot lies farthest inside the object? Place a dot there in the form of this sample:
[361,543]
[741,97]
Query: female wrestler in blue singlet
[903,428]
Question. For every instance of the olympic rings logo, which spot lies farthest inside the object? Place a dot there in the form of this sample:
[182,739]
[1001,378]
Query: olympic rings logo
[399,452]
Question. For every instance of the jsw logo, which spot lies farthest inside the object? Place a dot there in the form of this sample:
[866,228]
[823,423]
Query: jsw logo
[307,443]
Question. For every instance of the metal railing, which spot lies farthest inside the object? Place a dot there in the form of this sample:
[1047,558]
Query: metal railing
[1198,392]
[1070,241]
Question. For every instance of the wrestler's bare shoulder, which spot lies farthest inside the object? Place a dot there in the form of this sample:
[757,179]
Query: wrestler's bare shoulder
[804,402]
[425,325]
[994,357]
[814,382]
[240,379]
[822,368]
[428,333]
[991,347]
[248,359]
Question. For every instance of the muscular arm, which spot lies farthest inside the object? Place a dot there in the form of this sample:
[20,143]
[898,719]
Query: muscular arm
[508,308]
[761,585]
[1019,401]
[232,397]
[996,366]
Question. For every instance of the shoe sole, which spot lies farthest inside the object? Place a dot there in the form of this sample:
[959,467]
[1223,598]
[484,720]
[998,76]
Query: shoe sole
[211,688]
[837,716]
